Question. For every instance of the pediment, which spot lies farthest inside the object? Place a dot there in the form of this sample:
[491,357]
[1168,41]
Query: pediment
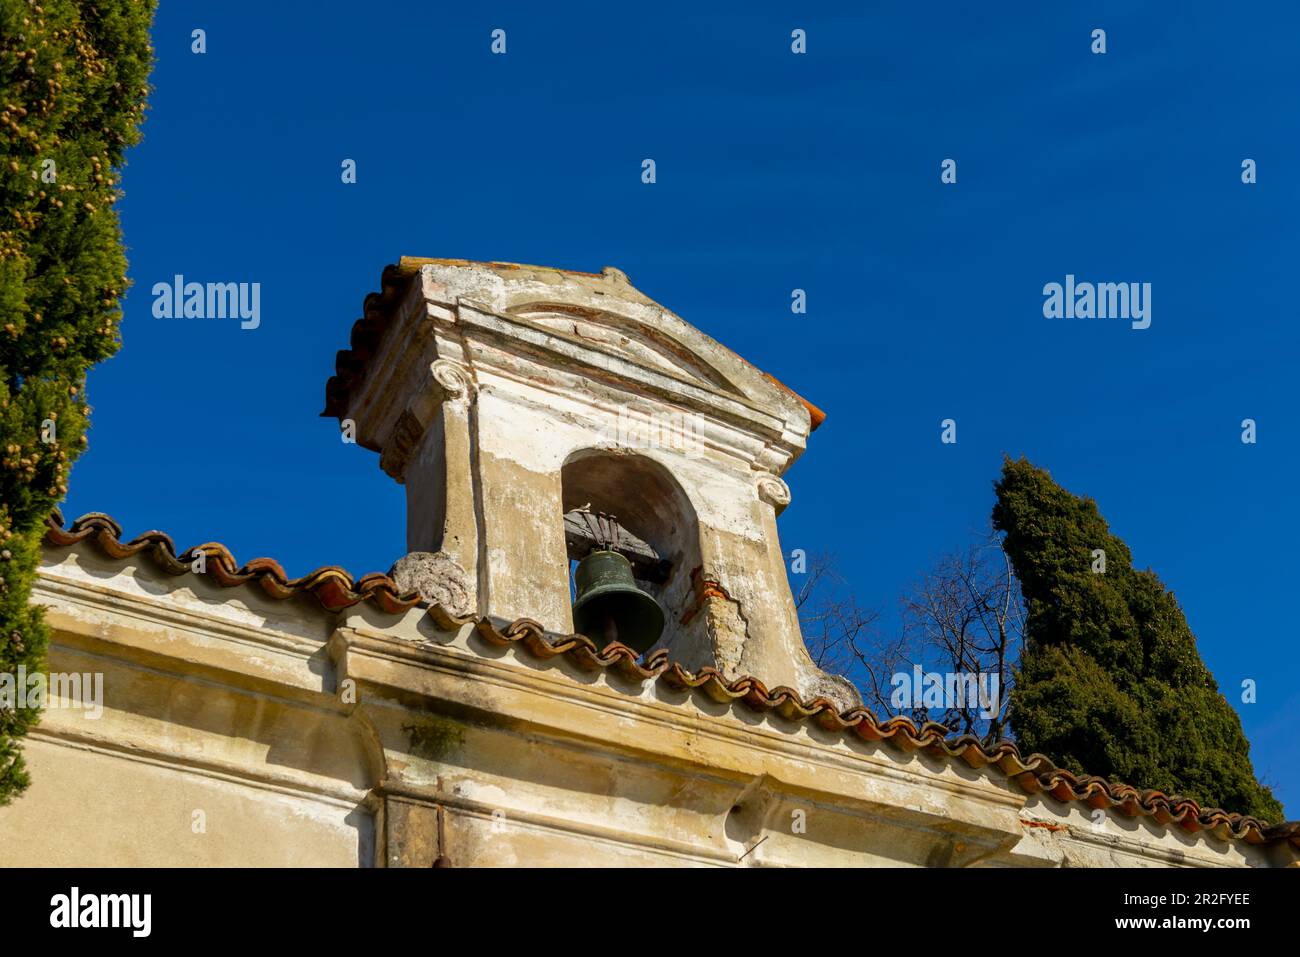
[492,316]
[629,338]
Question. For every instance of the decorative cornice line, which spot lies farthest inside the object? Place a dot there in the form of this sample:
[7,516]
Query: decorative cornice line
[1035,774]
[336,590]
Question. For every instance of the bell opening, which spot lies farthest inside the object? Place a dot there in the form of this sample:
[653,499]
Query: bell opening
[624,502]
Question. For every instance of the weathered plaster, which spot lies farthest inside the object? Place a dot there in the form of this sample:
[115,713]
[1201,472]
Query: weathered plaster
[513,373]
[365,738]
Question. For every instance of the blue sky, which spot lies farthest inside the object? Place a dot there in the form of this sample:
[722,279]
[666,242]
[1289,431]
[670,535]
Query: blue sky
[775,171]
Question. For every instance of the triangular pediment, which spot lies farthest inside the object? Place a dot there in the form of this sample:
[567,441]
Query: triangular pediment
[568,325]
[631,339]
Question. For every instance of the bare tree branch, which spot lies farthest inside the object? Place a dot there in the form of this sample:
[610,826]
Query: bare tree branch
[963,621]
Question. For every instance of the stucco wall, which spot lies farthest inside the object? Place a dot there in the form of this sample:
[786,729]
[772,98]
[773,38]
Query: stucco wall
[310,738]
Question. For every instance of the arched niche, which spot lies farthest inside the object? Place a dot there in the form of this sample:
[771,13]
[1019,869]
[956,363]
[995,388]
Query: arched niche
[645,499]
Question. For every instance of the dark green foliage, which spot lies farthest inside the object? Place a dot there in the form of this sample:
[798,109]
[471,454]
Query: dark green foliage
[73,80]
[1110,682]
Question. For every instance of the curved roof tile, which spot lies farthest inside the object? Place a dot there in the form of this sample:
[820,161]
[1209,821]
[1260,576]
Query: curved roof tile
[336,590]
[1035,774]
[332,586]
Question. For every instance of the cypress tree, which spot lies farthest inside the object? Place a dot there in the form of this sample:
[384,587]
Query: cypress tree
[73,81]
[1110,682]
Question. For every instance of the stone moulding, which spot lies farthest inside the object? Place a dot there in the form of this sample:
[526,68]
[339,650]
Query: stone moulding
[407,300]
[453,378]
[337,591]
[773,490]
[1036,774]
[454,384]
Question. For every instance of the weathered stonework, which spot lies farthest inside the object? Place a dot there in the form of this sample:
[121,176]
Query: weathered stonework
[297,736]
[494,386]
[253,720]
[439,580]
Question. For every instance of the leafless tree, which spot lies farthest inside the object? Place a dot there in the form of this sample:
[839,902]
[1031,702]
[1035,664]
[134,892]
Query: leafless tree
[966,617]
[963,619]
[843,637]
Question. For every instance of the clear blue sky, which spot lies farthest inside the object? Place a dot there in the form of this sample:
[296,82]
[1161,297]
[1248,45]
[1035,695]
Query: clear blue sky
[775,171]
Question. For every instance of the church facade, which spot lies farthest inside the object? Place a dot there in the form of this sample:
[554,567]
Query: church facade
[445,714]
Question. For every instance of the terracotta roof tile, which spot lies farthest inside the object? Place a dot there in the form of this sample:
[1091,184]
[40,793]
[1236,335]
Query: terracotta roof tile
[333,587]
[1035,774]
[336,590]
[377,311]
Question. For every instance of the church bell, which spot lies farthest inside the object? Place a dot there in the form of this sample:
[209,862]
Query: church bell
[610,607]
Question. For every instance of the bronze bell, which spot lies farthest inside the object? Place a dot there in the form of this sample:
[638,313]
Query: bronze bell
[610,607]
